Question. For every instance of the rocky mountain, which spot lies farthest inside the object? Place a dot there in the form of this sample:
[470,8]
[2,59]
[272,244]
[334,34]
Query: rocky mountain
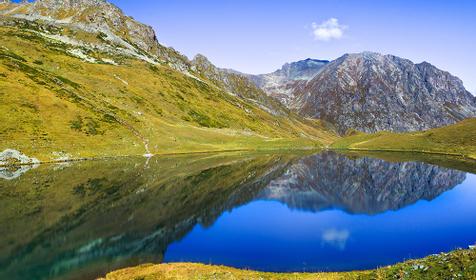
[372,92]
[282,83]
[362,185]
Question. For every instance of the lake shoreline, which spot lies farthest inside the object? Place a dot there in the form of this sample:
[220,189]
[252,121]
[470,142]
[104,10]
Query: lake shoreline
[459,155]
[161,154]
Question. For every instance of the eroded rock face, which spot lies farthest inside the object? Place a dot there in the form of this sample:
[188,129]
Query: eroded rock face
[363,185]
[98,14]
[372,92]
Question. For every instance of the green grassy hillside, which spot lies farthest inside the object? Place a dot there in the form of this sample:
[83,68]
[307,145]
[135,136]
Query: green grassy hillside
[458,139]
[459,264]
[56,104]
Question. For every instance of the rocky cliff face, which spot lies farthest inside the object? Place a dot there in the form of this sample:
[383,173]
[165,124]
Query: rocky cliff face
[282,83]
[363,185]
[373,92]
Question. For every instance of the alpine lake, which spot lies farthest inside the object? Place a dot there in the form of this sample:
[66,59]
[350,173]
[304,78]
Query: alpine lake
[280,211]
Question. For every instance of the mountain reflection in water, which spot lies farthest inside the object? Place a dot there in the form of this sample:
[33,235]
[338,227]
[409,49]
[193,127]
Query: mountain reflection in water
[82,220]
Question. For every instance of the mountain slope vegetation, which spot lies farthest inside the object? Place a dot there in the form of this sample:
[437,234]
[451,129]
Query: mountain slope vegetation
[74,89]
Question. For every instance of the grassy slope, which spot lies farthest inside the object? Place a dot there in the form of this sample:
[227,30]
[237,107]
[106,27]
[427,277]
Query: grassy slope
[458,139]
[459,264]
[54,102]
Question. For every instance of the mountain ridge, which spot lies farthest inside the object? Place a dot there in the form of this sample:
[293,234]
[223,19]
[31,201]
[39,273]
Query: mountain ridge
[377,92]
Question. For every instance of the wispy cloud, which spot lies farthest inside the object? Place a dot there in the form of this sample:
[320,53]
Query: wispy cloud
[336,238]
[328,30]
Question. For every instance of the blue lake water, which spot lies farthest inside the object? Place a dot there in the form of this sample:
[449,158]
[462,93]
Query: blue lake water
[268,235]
[272,212]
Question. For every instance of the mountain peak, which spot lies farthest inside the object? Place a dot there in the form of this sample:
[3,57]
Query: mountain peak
[200,59]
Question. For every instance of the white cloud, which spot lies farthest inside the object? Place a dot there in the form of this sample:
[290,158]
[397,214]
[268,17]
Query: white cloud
[336,238]
[328,30]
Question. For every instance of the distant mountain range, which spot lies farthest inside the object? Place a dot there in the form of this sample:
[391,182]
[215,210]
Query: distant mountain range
[82,72]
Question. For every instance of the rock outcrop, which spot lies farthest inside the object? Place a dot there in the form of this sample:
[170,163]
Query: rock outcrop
[106,21]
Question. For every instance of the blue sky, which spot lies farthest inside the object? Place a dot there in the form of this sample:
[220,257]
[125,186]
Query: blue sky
[259,36]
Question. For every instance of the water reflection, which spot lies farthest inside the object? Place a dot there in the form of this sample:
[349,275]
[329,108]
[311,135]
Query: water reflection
[361,185]
[83,220]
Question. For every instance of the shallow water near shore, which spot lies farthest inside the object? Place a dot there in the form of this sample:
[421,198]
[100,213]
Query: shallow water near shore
[263,211]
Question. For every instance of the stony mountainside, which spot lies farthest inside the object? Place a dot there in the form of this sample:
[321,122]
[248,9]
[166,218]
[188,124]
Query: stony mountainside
[372,92]
[363,185]
[282,83]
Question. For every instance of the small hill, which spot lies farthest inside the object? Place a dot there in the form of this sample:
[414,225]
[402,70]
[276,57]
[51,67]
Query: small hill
[458,139]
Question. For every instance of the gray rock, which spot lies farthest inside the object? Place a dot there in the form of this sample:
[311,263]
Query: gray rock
[9,154]
[372,92]
[106,21]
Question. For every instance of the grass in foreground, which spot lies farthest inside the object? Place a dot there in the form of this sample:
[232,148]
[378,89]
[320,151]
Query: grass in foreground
[460,264]
[457,139]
